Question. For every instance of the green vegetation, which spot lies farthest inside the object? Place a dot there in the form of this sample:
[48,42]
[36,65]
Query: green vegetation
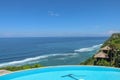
[24,67]
[103,62]
[113,41]
[90,61]
[114,54]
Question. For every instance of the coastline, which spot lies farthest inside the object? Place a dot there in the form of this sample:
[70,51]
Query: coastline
[52,52]
[108,54]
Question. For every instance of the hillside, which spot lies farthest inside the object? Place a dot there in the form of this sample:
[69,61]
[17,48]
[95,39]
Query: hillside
[109,53]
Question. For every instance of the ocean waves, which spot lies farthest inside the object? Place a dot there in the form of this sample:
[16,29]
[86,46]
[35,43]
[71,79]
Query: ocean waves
[35,59]
[89,48]
[59,56]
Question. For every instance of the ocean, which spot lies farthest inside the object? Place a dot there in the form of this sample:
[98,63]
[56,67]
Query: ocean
[48,51]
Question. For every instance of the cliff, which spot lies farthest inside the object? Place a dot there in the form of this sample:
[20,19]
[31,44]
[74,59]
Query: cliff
[108,55]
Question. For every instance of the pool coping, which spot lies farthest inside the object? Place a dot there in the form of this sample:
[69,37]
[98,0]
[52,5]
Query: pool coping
[3,72]
[60,66]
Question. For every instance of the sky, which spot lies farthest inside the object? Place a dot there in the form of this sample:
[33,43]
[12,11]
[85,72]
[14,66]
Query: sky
[52,18]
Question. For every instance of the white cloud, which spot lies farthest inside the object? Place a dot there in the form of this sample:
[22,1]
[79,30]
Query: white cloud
[113,31]
[52,13]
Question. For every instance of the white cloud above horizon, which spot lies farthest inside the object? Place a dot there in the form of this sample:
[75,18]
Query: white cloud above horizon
[52,13]
[113,31]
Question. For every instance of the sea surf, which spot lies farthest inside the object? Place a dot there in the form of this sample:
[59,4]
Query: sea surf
[48,51]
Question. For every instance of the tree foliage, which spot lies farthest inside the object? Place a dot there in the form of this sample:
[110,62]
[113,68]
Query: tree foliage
[24,67]
[114,43]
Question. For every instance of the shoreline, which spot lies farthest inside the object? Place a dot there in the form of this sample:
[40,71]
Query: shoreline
[108,54]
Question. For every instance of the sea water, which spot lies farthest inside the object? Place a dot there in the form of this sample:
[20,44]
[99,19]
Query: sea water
[48,51]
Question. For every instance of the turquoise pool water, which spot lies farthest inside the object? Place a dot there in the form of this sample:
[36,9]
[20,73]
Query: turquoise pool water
[66,73]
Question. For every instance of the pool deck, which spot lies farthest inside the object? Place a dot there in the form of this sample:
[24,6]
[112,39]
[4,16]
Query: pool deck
[2,72]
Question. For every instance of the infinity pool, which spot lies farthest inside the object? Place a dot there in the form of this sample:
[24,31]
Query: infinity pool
[66,73]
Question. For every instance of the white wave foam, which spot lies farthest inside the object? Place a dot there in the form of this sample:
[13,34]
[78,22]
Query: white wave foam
[34,59]
[89,48]
[40,58]
[22,61]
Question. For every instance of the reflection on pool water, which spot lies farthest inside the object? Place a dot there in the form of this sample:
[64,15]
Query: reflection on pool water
[66,73]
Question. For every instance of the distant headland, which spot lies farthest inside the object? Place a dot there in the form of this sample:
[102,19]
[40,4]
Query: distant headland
[108,55]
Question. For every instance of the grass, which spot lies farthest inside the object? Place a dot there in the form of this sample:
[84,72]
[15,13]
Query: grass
[24,67]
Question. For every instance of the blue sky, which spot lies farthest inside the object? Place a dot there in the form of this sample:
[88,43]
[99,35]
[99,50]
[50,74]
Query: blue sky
[42,18]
